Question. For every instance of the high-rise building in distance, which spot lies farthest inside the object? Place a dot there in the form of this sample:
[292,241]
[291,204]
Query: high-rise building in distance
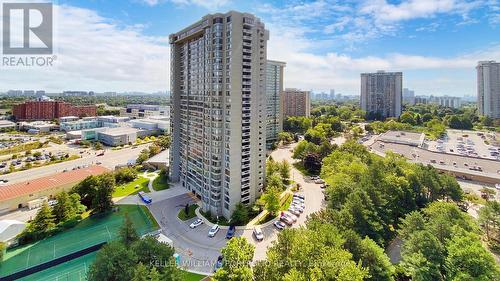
[408,96]
[488,88]
[381,94]
[218,109]
[296,103]
[274,92]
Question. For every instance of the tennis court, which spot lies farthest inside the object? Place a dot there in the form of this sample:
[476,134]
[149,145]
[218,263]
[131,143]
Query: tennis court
[73,270]
[89,232]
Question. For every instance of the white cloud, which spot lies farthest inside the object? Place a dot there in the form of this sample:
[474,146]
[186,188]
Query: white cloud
[95,53]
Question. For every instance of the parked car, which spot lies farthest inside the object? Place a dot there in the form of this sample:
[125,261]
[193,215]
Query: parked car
[196,223]
[230,232]
[301,196]
[291,216]
[218,264]
[286,219]
[294,211]
[298,208]
[213,230]
[279,225]
[257,232]
[319,181]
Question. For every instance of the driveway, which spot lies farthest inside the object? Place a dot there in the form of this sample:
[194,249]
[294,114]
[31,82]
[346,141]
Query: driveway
[198,251]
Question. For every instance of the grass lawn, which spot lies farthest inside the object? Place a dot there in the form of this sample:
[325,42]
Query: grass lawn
[287,200]
[160,182]
[152,220]
[188,276]
[130,188]
[191,214]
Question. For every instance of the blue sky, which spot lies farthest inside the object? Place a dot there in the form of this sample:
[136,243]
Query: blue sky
[111,45]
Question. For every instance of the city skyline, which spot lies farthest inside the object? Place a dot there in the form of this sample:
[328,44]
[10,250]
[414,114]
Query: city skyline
[326,49]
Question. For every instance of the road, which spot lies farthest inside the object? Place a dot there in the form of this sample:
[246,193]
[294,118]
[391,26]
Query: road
[110,159]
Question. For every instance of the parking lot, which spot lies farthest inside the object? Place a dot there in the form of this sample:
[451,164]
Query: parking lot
[466,143]
[451,162]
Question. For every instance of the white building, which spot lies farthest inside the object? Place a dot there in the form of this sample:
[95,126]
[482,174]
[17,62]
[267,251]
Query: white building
[274,92]
[381,93]
[488,88]
[137,111]
[218,108]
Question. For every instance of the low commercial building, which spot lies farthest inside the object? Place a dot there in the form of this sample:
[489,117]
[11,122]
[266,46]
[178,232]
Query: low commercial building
[402,137]
[18,195]
[138,111]
[79,125]
[37,127]
[122,135]
[68,118]
[6,125]
[151,124]
[9,229]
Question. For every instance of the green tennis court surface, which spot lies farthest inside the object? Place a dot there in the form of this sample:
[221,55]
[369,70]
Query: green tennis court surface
[89,232]
[73,270]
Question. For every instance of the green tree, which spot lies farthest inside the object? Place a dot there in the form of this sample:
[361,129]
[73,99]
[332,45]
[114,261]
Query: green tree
[271,199]
[155,254]
[127,232]
[143,156]
[140,273]
[237,255]
[271,167]
[114,262]
[274,181]
[489,218]
[313,253]
[65,209]
[163,141]
[284,171]
[98,146]
[285,137]
[468,260]
[154,149]
[240,215]
[44,220]
[407,117]
[312,163]
[103,200]
[125,174]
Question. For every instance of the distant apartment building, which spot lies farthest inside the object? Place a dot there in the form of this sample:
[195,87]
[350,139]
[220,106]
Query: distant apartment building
[488,88]
[49,110]
[78,94]
[137,111]
[447,101]
[408,96]
[421,100]
[381,93]
[296,103]
[274,91]
[218,109]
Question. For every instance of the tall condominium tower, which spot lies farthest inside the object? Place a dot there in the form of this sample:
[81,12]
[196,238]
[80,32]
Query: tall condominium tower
[488,88]
[274,91]
[296,103]
[381,93]
[218,109]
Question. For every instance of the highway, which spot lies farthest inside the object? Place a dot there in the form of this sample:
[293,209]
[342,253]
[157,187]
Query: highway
[110,159]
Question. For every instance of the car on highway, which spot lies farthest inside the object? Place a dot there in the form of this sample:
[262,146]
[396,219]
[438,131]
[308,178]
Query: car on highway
[213,230]
[257,232]
[279,225]
[196,223]
[230,232]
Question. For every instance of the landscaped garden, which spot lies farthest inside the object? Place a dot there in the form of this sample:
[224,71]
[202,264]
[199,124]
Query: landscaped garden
[131,188]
